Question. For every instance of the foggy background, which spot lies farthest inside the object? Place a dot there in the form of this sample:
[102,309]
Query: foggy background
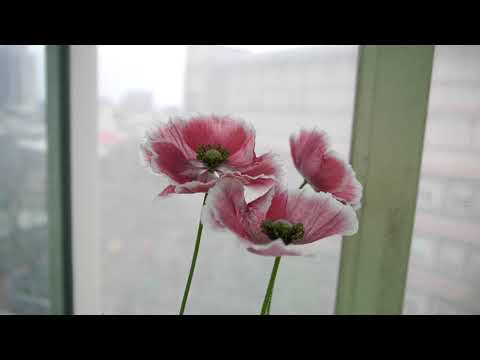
[146,244]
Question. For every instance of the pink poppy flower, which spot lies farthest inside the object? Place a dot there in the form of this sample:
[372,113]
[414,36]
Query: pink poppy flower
[278,223]
[323,168]
[195,153]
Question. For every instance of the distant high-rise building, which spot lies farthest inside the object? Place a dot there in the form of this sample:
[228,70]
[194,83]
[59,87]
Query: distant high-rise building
[18,81]
[306,85]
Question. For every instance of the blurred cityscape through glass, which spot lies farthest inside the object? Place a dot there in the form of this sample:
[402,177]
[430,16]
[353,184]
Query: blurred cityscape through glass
[23,213]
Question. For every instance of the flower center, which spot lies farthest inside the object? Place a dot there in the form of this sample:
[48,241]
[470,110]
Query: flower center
[212,156]
[283,230]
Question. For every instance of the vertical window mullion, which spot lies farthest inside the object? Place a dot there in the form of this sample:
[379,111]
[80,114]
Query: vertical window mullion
[58,187]
[393,84]
[85,178]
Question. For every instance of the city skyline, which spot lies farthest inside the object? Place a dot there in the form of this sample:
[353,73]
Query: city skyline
[139,70]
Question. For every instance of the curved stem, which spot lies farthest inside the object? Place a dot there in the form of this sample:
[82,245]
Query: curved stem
[194,261]
[271,283]
[305,182]
[267,311]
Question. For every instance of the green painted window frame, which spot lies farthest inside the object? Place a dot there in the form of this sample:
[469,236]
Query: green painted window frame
[393,86]
[393,83]
[58,178]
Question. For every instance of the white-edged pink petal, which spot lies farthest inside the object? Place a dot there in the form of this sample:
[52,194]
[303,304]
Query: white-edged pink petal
[278,248]
[264,171]
[171,132]
[321,214]
[275,248]
[308,148]
[226,208]
[236,136]
[166,158]
[170,189]
[338,178]
[191,187]
[323,168]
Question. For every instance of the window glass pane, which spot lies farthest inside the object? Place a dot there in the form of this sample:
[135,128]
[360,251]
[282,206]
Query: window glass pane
[147,245]
[23,213]
[444,273]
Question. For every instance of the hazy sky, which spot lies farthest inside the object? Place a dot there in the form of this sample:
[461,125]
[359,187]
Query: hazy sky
[157,68]
[39,52]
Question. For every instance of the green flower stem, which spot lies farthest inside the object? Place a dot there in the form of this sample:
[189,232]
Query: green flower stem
[267,312]
[194,261]
[269,294]
[271,284]
[303,184]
